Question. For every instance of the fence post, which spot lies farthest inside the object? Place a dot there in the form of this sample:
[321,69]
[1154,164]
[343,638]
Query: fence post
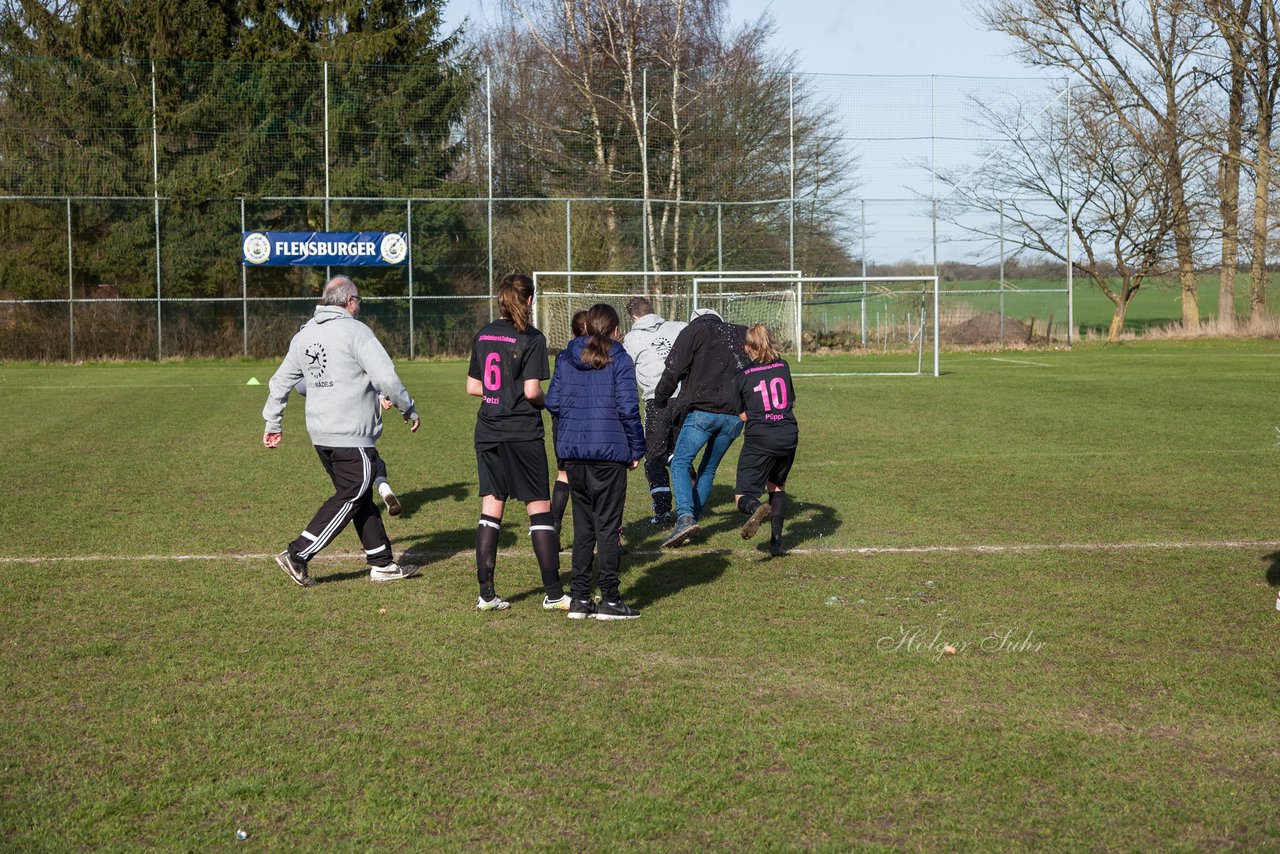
[568,235]
[863,319]
[155,194]
[408,233]
[1071,293]
[328,271]
[488,114]
[934,217]
[71,290]
[244,290]
[791,134]
[933,187]
[644,170]
[1002,273]
[719,237]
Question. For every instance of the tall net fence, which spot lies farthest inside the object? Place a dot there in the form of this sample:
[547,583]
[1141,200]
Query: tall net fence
[125,187]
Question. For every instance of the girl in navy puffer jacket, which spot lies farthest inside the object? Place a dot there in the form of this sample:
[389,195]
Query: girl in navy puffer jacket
[599,437]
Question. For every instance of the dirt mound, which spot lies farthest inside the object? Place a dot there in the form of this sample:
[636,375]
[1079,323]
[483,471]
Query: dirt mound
[985,329]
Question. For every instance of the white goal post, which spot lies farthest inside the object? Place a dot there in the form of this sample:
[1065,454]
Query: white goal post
[560,293]
[919,293]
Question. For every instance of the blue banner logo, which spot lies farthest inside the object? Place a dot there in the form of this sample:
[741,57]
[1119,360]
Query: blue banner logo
[324,248]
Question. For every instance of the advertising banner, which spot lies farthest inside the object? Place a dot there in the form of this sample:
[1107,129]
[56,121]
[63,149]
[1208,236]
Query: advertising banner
[324,248]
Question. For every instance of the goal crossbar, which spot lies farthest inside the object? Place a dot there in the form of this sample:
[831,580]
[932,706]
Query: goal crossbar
[799,282]
[570,275]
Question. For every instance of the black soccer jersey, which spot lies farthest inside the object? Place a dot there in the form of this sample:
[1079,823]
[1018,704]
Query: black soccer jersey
[765,393]
[502,358]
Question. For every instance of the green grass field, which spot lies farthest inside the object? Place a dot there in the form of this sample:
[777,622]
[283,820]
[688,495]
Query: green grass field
[1094,531]
[1157,303]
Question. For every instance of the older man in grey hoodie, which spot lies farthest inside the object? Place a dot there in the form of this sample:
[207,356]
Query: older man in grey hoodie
[346,370]
[648,344]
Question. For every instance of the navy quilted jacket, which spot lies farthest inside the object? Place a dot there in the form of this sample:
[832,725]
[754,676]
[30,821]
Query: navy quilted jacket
[597,408]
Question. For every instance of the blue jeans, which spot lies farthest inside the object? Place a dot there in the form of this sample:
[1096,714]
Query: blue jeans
[710,430]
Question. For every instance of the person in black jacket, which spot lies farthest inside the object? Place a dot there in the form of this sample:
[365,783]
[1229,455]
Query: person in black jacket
[706,356]
[599,437]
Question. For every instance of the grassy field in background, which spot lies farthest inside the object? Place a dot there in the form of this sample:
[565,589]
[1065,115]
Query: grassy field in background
[1094,531]
[1157,303]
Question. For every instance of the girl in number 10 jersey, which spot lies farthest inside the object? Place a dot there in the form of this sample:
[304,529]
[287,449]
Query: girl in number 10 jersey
[766,398]
[508,365]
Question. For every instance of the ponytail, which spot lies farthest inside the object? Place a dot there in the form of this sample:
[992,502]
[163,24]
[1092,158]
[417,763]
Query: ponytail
[602,323]
[513,299]
[761,346]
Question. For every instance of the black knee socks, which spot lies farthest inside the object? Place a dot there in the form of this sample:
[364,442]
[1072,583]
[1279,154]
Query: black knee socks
[487,553]
[546,547]
[778,506]
[559,501]
[747,504]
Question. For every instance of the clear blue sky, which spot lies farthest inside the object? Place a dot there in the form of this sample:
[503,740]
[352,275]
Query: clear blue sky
[845,37]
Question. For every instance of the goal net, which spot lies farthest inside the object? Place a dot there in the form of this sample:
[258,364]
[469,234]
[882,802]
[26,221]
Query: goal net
[559,294]
[891,321]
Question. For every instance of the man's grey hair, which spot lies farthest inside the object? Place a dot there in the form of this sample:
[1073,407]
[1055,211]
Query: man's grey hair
[339,290]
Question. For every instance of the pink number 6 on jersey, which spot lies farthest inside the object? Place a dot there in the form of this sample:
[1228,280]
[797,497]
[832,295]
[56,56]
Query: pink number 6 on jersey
[493,371]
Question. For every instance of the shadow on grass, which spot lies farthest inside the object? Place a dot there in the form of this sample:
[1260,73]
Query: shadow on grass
[645,580]
[350,575]
[663,576]
[1273,568]
[412,502]
[806,521]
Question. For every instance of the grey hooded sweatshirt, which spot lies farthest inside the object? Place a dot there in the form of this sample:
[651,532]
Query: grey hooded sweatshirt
[648,343]
[346,368]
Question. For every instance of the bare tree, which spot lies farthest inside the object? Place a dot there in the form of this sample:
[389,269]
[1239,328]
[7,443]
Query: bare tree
[1230,18]
[1139,59]
[1077,170]
[1262,31]
[660,101]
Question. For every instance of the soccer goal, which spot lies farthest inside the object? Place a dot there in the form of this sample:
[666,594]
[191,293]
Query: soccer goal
[558,294]
[894,319]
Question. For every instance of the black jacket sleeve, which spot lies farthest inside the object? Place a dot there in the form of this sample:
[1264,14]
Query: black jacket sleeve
[679,361]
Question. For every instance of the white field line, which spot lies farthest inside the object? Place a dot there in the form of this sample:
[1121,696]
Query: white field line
[137,386]
[862,374]
[834,550]
[1022,362]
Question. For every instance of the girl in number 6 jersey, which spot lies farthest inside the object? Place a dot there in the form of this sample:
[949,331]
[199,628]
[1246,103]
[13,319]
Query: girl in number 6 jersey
[765,398]
[508,365]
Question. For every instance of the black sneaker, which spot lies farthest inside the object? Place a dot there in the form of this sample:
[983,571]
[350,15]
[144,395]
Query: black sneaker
[581,609]
[686,527]
[753,521]
[661,519]
[615,610]
[774,548]
[294,568]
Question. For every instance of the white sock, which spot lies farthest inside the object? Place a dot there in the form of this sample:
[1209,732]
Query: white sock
[384,488]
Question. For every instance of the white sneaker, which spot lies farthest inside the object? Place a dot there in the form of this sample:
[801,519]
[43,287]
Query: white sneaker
[394,572]
[561,604]
[494,604]
[389,498]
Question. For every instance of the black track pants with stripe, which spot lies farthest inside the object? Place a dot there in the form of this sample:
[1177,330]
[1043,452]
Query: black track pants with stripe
[352,471]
